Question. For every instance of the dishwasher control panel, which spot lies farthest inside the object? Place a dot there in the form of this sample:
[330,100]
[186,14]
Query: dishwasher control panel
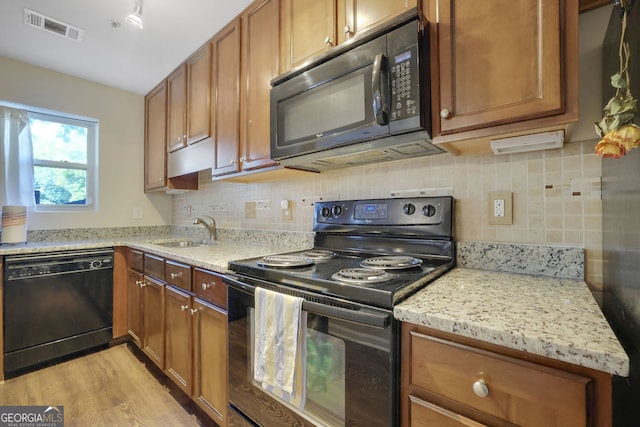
[56,263]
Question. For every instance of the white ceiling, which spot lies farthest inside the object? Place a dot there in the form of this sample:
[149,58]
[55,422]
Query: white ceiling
[127,57]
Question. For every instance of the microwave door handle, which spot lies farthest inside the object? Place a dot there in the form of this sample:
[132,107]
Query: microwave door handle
[378,88]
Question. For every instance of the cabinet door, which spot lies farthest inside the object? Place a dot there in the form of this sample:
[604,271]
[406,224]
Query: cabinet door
[260,64]
[153,322]
[360,15]
[155,138]
[134,306]
[226,99]
[176,109]
[199,95]
[210,360]
[178,357]
[500,62]
[308,29]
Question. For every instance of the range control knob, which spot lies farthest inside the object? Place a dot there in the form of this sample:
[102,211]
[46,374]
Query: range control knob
[336,210]
[325,212]
[429,210]
[409,209]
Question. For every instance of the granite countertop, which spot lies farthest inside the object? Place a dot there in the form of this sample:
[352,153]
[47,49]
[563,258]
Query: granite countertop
[552,317]
[214,256]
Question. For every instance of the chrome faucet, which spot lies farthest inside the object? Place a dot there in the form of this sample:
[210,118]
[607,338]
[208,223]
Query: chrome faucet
[213,231]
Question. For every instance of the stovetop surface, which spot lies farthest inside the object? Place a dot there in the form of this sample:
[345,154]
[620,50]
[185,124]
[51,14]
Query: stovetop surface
[318,277]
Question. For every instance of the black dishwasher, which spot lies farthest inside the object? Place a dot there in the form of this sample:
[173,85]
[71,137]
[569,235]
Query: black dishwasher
[56,304]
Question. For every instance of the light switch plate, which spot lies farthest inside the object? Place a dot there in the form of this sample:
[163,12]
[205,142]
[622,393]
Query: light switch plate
[250,210]
[501,208]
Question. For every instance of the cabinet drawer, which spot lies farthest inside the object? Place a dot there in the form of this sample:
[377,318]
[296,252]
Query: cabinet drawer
[134,260]
[209,286]
[178,275]
[427,414]
[154,266]
[518,391]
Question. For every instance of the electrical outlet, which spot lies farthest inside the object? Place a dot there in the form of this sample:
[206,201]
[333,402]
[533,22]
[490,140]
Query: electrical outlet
[501,208]
[137,213]
[285,206]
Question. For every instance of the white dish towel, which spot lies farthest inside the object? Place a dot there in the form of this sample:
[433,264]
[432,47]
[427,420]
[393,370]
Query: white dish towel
[280,345]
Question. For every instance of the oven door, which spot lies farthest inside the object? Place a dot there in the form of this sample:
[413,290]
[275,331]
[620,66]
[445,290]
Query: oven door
[352,363]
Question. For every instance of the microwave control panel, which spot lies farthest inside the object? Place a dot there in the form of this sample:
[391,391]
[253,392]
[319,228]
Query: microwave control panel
[404,83]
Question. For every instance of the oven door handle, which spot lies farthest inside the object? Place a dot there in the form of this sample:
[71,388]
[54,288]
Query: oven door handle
[363,316]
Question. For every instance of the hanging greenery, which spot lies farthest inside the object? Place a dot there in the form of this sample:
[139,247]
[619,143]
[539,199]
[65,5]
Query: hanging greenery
[617,131]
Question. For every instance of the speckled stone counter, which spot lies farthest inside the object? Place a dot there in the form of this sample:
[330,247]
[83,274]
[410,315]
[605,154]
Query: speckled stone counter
[556,318]
[214,256]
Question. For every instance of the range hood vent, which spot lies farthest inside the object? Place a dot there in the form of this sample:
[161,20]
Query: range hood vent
[46,23]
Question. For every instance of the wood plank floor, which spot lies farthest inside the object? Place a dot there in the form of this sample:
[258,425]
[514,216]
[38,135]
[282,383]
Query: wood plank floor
[108,388]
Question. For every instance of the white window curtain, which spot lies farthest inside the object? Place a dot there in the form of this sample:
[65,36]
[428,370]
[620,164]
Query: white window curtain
[16,158]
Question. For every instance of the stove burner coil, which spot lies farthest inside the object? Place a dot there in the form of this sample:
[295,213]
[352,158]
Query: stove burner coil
[319,254]
[392,262]
[285,261]
[361,275]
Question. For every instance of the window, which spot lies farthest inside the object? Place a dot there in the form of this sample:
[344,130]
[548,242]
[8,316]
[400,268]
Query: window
[63,162]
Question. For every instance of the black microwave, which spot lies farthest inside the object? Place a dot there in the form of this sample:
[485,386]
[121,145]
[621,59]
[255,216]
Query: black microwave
[366,101]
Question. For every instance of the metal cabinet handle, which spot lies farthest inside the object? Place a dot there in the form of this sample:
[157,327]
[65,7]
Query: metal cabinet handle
[183,307]
[242,159]
[328,41]
[143,284]
[445,113]
[176,275]
[480,388]
[194,311]
[232,161]
[205,286]
[347,30]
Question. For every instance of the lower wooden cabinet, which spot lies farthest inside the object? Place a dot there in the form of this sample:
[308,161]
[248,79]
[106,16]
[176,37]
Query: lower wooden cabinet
[454,381]
[210,359]
[183,332]
[153,320]
[178,338]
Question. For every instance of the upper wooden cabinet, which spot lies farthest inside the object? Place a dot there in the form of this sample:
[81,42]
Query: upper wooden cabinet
[155,137]
[361,15]
[155,146]
[500,67]
[260,64]
[309,27]
[189,102]
[225,111]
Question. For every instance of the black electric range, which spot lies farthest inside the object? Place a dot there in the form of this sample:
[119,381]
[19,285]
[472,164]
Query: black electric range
[375,252]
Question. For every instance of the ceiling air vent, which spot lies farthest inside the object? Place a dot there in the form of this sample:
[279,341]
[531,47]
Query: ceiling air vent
[51,25]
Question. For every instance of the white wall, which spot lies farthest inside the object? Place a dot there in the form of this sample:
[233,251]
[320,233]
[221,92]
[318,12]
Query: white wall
[121,145]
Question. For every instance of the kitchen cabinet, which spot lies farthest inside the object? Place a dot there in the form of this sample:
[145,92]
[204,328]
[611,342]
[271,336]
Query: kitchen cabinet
[210,359]
[502,67]
[260,64]
[134,299]
[455,381]
[155,146]
[362,15]
[210,344]
[178,336]
[310,28]
[153,309]
[188,92]
[225,111]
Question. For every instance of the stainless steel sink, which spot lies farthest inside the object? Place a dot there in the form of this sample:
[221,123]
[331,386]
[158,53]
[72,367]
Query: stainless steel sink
[183,244]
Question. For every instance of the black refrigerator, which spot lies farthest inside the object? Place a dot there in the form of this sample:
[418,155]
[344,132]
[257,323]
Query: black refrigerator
[621,228]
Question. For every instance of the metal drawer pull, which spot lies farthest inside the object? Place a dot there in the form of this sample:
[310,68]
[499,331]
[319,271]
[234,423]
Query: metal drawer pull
[205,286]
[183,307]
[176,275]
[194,311]
[480,388]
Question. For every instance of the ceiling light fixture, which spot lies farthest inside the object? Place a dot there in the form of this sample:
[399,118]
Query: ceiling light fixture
[136,16]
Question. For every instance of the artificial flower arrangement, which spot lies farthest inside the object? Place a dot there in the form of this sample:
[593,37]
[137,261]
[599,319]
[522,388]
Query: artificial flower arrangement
[617,131]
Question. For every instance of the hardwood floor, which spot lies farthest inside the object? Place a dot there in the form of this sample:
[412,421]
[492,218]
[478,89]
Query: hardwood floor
[108,388]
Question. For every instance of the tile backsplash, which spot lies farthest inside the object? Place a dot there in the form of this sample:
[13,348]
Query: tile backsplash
[556,197]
